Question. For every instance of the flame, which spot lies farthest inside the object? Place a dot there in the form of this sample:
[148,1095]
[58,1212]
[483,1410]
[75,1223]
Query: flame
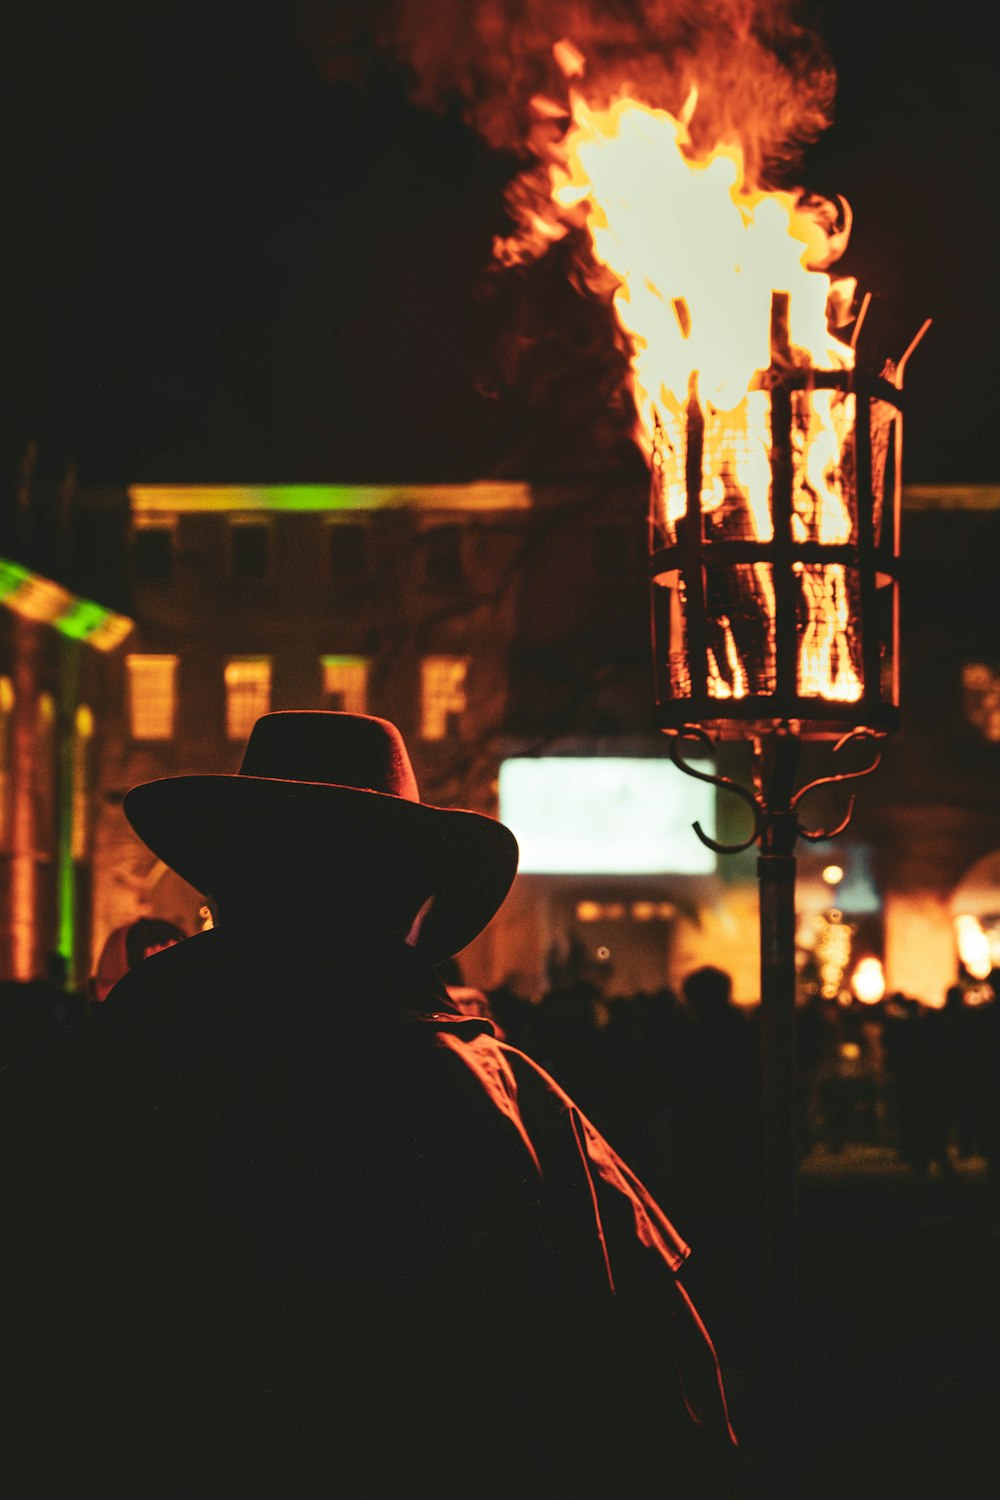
[693,253]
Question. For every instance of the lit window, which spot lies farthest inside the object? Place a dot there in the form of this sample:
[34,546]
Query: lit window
[45,769]
[248,693]
[249,547]
[442,693]
[345,683]
[152,691]
[981,691]
[6,713]
[84,731]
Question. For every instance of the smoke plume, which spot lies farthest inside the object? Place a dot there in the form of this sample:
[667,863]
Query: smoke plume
[762,72]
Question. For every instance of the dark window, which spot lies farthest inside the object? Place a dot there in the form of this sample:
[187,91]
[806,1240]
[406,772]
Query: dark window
[348,551]
[153,552]
[610,550]
[443,567]
[249,550]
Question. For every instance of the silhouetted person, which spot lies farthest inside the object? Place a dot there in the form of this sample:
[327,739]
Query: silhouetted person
[564,1039]
[716,1113]
[25,1021]
[54,990]
[128,945]
[935,1067]
[32,1009]
[812,1029]
[330,1236]
[985,1047]
[512,1011]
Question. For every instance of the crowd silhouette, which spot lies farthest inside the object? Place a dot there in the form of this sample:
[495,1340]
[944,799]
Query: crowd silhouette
[673,1077]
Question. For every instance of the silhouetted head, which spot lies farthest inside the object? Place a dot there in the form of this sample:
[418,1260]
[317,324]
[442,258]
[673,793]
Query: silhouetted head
[707,991]
[149,935]
[322,833]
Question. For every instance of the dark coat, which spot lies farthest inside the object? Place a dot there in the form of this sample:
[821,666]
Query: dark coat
[300,1224]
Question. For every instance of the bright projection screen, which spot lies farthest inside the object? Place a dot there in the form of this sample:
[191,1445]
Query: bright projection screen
[606,816]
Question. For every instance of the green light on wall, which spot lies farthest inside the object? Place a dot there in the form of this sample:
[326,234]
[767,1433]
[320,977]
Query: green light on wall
[178,499]
[82,619]
[36,598]
[12,577]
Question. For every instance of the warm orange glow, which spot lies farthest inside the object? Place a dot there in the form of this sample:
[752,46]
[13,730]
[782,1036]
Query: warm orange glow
[868,981]
[694,252]
[833,874]
[833,952]
[973,946]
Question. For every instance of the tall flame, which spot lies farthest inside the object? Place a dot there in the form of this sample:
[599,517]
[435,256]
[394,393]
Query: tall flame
[693,254]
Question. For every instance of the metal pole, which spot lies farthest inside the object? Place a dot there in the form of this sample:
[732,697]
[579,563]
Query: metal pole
[777,760]
[776,829]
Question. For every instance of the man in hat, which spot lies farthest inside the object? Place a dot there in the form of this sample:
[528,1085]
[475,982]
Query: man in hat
[327,1235]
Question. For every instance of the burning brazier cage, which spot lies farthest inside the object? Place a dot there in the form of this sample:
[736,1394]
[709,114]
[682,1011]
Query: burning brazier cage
[774,577]
[774,547]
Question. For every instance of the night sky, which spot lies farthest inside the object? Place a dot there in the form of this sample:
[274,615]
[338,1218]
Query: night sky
[225,266]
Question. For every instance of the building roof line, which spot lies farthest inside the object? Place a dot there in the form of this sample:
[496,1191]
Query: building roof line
[480,495]
[484,495]
[951,496]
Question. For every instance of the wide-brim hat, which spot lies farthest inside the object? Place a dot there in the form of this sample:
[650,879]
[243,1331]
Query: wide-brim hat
[323,797]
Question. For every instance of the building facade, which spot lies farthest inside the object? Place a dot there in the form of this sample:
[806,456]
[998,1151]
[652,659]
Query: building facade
[505,628]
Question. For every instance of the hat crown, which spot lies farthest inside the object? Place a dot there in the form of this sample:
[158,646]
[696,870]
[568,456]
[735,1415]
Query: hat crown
[339,749]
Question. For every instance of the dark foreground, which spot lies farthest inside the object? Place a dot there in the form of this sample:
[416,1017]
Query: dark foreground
[899,1323]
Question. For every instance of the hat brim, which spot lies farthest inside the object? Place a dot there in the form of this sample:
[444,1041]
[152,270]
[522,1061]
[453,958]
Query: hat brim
[212,830]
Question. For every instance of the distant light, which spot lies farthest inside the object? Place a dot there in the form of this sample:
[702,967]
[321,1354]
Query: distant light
[868,981]
[973,946]
[979,994]
[588,815]
[833,874]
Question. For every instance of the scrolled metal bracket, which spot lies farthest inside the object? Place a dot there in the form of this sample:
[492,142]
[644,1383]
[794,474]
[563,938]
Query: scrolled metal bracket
[772,824]
[725,783]
[818,835]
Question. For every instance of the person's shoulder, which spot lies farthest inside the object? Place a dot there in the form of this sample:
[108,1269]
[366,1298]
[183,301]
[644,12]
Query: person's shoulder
[533,1074]
[170,973]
